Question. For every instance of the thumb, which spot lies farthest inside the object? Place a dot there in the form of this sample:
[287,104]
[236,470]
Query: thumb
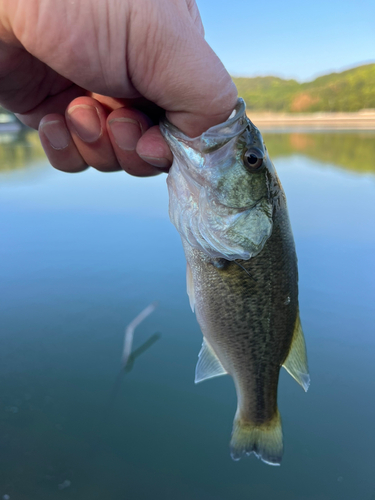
[187,79]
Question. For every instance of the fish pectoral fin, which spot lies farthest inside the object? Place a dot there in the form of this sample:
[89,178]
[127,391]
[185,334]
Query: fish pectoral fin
[208,365]
[296,362]
[190,286]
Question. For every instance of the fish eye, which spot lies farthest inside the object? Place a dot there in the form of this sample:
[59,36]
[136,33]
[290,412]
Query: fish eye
[253,159]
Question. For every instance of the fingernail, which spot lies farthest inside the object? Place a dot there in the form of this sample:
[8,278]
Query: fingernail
[126,132]
[56,133]
[157,162]
[86,122]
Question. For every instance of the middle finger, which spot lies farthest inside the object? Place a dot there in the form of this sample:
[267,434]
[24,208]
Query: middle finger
[86,121]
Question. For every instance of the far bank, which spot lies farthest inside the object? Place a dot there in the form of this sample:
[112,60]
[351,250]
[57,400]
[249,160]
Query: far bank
[361,120]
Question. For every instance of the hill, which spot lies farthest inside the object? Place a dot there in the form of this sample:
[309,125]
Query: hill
[350,90]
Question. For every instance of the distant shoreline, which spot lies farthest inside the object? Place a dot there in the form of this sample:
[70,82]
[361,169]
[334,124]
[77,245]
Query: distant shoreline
[361,120]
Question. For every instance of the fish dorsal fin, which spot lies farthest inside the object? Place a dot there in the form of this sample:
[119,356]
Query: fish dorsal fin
[208,365]
[190,286]
[296,362]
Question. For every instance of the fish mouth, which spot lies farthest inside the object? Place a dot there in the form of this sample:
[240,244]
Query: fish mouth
[215,137]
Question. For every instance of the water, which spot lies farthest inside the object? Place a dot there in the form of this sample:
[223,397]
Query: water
[81,255]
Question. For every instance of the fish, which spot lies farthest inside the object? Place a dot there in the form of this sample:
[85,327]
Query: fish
[227,203]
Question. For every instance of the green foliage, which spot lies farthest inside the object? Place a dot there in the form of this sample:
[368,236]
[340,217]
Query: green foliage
[351,90]
[267,93]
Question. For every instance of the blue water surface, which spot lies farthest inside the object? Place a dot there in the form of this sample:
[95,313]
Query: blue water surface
[81,255]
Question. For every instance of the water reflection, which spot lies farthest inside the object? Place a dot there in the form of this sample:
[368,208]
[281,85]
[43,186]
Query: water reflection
[19,149]
[353,151]
[140,350]
[126,369]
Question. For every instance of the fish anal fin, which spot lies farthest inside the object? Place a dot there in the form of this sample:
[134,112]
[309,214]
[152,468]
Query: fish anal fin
[208,365]
[190,286]
[296,362]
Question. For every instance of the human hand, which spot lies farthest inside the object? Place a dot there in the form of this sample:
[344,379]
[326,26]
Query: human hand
[95,75]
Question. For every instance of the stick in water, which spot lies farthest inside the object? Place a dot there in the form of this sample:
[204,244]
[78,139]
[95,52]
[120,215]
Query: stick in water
[129,332]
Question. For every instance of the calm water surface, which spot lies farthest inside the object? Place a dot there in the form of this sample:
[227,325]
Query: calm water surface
[81,255]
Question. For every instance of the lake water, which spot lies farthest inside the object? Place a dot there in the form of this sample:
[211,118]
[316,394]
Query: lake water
[81,255]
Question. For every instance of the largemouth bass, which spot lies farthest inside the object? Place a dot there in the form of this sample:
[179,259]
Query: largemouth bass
[228,205]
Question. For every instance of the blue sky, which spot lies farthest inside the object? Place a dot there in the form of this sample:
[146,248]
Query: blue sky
[289,38]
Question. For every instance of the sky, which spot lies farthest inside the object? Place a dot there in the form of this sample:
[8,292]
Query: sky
[289,38]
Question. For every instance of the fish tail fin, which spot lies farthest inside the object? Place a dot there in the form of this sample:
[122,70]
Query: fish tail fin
[264,440]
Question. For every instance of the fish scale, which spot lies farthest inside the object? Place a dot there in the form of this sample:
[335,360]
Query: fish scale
[256,334]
